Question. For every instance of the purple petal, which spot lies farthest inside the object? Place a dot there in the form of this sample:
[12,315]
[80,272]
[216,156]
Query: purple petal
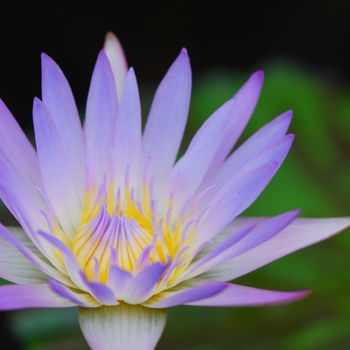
[102,293]
[127,146]
[41,265]
[191,168]
[252,236]
[118,281]
[236,295]
[144,284]
[246,97]
[299,234]
[232,199]
[266,145]
[127,327]
[17,148]
[58,98]
[117,60]
[167,119]
[186,292]
[14,266]
[101,113]
[13,297]
[79,298]
[70,262]
[59,186]
[20,196]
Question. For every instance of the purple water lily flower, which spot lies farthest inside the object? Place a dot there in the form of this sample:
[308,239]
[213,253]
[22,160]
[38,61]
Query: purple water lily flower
[111,225]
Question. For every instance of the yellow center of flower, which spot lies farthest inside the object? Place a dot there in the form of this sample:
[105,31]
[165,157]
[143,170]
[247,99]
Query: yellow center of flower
[117,229]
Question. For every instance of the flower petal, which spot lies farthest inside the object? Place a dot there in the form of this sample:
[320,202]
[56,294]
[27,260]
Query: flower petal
[248,238]
[117,60]
[247,97]
[127,327]
[167,119]
[143,285]
[59,186]
[14,266]
[42,265]
[236,295]
[189,171]
[299,234]
[17,148]
[58,98]
[266,145]
[186,292]
[13,297]
[78,298]
[127,145]
[101,113]
[232,199]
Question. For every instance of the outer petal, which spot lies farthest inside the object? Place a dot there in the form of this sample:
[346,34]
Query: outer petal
[127,327]
[36,260]
[232,199]
[101,112]
[58,98]
[78,298]
[117,60]
[299,234]
[266,145]
[186,292]
[14,266]
[14,297]
[20,196]
[247,97]
[167,119]
[59,186]
[17,148]
[192,167]
[236,295]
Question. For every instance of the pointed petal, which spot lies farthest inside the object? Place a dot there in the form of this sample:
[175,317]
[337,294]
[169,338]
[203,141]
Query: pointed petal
[13,297]
[117,60]
[266,145]
[236,295]
[118,281]
[78,298]
[232,199]
[101,112]
[127,145]
[58,98]
[167,119]
[17,194]
[144,284]
[246,97]
[102,293]
[127,327]
[248,238]
[192,167]
[14,266]
[300,233]
[17,148]
[59,186]
[186,292]
[73,269]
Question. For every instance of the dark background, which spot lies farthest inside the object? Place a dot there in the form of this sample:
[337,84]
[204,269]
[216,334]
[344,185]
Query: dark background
[235,34]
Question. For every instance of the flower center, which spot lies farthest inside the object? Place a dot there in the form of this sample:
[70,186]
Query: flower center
[116,229]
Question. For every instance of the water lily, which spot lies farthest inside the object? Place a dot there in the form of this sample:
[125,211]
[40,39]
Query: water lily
[112,224]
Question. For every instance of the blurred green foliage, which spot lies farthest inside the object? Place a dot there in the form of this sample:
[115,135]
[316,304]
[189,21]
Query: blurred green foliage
[316,177]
